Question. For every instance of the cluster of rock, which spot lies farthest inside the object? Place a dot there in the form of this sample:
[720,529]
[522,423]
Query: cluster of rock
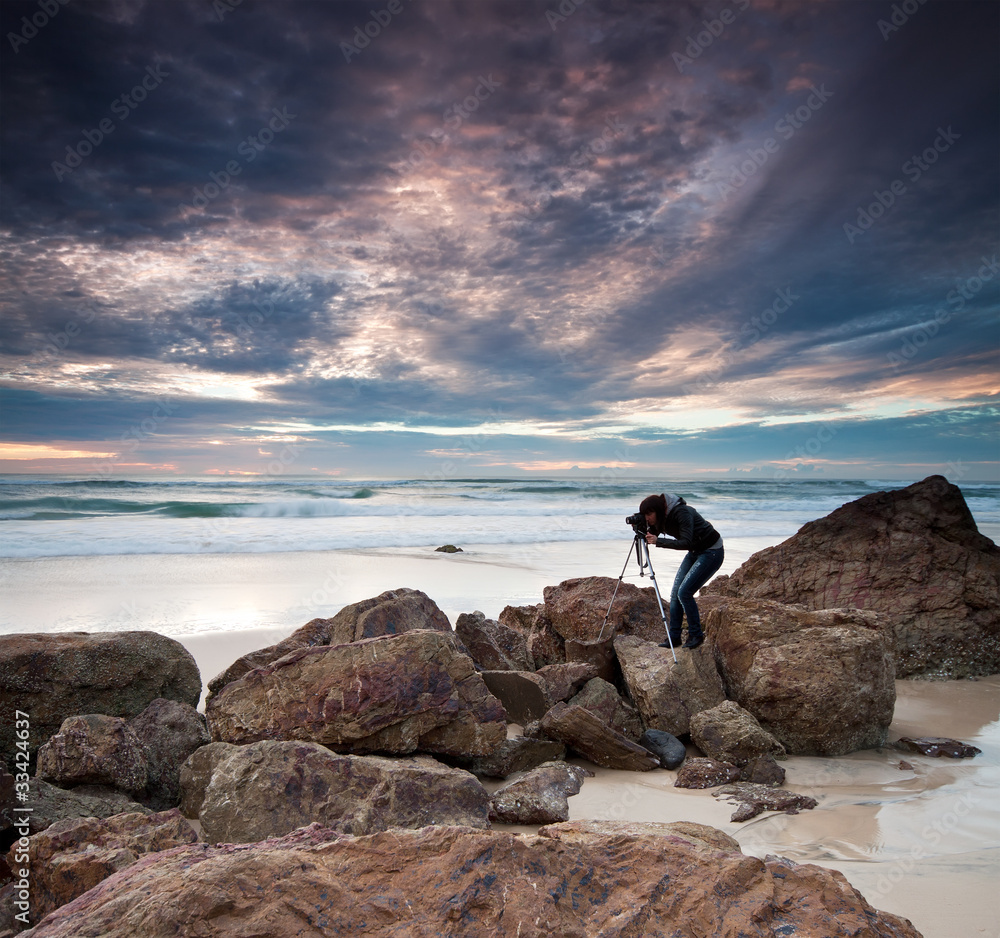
[360,743]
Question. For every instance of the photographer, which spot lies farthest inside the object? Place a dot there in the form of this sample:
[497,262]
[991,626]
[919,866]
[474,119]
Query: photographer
[687,530]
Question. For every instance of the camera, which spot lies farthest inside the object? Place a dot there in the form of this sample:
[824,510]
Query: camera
[638,523]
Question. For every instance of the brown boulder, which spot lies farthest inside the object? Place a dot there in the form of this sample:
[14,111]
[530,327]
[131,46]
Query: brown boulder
[938,746]
[64,674]
[595,740]
[269,788]
[492,645]
[564,680]
[541,796]
[914,554]
[94,749]
[314,632]
[572,879]
[545,644]
[577,609]
[395,693]
[669,693]
[169,732]
[74,855]
[728,733]
[821,682]
[390,613]
[763,770]
[603,700]
[197,772]
[705,773]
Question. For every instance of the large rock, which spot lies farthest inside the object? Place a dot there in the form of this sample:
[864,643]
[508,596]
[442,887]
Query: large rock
[390,613]
[669,693]
[523,694]
[603,700]
[541,796]
[267,789]
[314,632]
[572,879]
[564,680]
[577,609]
[394,694]
[914,554]
[545,644]
[169,732]
[54,676]
[197,772]
[728,733]
[74,855]
[94,749]
[595,740]
[821,682]
[493,645]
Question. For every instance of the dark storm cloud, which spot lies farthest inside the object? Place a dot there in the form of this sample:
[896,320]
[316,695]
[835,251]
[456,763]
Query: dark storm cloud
[490,208]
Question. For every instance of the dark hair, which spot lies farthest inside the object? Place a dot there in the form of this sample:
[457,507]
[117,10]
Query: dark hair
[657,503]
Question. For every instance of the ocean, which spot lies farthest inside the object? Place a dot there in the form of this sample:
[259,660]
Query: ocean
[56,517]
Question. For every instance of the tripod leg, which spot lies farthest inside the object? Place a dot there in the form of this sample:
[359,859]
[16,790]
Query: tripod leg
[656,589]
[635,546]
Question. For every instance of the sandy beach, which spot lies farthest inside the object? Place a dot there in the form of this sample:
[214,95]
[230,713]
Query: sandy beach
[921,842]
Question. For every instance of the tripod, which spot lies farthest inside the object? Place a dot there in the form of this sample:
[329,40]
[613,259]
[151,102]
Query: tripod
[641,549]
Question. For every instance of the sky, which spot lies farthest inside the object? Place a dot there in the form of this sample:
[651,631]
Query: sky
[435,238]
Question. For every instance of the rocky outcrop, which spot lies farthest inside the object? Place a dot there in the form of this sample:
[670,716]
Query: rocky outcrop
[577,878]
[142,756]
[393,694]
[669,693]
[545,644]
[914,554]
[705,773]
[196,773]
[754,799]
[492,645]
[821,682]
[74,855]
[514,754]
[577,610]
[728,733]
[539,797]
[59,675]
[267,789]
[603,700]
[593,739]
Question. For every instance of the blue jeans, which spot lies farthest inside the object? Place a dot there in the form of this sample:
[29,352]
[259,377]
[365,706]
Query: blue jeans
[694,572]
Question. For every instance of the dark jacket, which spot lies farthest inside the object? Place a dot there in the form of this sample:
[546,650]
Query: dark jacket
[688,529]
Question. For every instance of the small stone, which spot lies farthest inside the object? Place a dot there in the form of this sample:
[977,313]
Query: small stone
[938,746]
[449,549]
